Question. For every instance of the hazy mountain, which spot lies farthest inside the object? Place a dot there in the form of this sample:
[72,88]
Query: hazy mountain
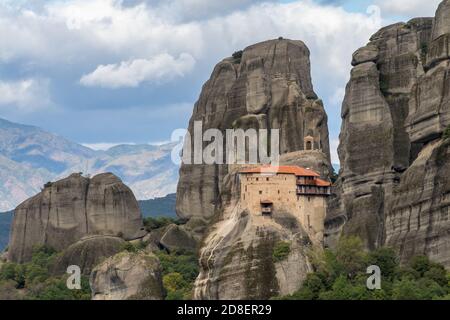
[37,148]
[30,156]
[159,207]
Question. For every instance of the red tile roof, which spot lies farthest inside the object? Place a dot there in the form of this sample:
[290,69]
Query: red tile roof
[322,183]
[298,171]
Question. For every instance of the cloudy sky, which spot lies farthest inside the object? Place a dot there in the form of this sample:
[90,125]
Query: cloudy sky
[112,71]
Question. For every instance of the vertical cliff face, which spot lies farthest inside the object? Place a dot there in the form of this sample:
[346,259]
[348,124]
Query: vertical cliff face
[396,105]
[69,209]
[268,86]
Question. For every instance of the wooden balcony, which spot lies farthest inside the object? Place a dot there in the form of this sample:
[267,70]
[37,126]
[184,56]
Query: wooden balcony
[313,191]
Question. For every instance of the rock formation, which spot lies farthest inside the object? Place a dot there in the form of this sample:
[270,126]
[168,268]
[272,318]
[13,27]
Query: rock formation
[128,276]
[393,185]
[87,253]
[70,209]
[267,86]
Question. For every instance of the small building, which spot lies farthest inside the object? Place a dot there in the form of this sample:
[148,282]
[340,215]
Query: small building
[266,190]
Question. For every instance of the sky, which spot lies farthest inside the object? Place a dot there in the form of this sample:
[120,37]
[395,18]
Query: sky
[103,72]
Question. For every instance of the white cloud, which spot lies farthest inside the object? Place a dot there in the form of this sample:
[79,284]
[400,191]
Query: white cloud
[132,73]
[188,10]
[25,95]
[334,144]
[115,44]
[338,97]
[410,8]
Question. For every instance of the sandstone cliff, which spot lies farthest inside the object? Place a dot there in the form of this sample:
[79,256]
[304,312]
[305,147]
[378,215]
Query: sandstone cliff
[393,185]
[267,86]
[70,209]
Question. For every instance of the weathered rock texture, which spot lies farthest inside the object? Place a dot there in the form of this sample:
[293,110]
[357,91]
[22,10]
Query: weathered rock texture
[269,87]
[128,276]
[87,253]
[70,209]
[396,105]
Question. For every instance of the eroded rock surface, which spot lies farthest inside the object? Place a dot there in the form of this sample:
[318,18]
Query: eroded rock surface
[128,276]
[87,253]
[392,185]
[70,209]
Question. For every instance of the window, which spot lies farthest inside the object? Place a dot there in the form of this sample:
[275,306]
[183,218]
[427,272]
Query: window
[267,179]
[309,199]
[260,191]
[257,179]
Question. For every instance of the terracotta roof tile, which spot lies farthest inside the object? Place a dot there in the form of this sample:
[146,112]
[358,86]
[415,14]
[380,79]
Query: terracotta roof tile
[298,171]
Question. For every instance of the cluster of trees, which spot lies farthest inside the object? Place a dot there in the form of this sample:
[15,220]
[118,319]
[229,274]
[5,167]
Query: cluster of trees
[35,281]
[151,223]
[180,269]
[341,275]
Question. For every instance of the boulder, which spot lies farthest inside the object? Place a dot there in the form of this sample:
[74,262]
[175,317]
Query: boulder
[128,276]
[177,238]
[368,53]
[87,253]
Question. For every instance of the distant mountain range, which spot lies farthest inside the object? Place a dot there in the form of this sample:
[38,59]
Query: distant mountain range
[158,207]
[30,157]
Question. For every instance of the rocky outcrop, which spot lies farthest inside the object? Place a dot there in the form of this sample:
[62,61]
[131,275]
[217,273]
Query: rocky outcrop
[267,86]
[395,110]
[237,260]
[176,238]
[128,276]
[87,253]
[419,220]
[70,209]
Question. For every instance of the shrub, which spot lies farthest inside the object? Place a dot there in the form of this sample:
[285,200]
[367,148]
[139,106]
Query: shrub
[160,222]
[446,134]
[423,53]
[281,251]
[237,56]
[129,247]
